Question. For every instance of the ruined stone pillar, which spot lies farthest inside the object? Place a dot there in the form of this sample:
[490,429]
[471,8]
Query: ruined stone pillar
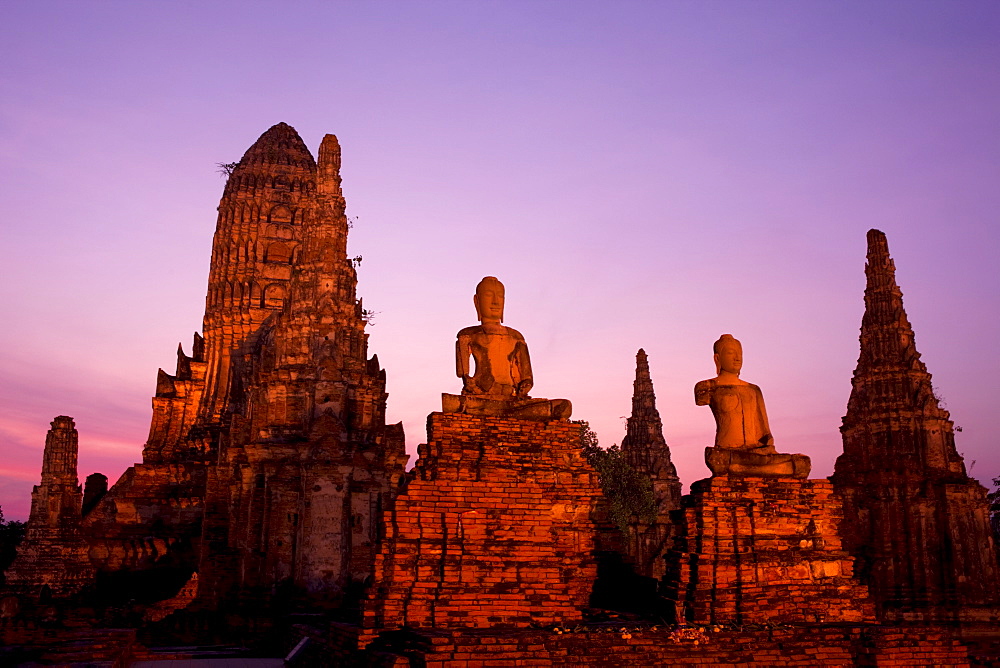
[53,554]
[646,451]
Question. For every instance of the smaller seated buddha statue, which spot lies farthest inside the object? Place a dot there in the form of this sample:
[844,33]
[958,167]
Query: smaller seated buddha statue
[743,441]
[499,382]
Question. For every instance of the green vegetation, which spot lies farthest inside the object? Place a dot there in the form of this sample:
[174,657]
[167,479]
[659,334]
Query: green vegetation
[629,493]
[11,535]
[994,498]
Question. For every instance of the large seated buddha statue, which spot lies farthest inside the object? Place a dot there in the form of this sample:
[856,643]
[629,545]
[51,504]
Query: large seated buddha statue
[499,382]
[743,441]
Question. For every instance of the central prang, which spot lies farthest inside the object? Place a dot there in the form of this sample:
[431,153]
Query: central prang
[501,379]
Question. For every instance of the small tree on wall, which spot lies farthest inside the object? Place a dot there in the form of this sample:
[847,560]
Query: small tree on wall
[11,535]
[226,168]
[629,493]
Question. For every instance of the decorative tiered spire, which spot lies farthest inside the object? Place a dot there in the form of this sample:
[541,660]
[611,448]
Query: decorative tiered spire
[891,389]
[890,376]
[646,451]
[916,522]
[53,552]
[61,451]
[267,203]
[325,278]
[644,447]
[305,403]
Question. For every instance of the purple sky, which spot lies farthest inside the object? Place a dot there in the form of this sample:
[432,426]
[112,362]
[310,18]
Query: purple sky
[638,174]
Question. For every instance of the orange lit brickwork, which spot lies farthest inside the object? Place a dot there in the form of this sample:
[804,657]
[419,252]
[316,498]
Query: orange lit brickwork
[494,528]
[54,554]
[804,646]
[765,550]
[268,460]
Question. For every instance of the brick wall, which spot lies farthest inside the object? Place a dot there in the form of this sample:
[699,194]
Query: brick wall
[495,528]
[764,550]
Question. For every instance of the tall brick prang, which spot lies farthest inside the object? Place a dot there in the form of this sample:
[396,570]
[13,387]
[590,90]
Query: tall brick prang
[307,462]
[645,449]
[262,215]
[268,459]
[495,528]
[917,522]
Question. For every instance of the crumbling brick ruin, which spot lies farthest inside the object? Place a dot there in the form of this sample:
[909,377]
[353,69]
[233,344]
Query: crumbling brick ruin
[268,459]
[54,553]
[270,476]
[764,550]
[495,528]
[916,521]
[645,449]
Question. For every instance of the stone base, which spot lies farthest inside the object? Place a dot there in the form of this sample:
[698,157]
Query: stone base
[811,645]
[520,409]
[52,561]
[756,550]
[494,528]
[49,645]
[927,542]
[763,461]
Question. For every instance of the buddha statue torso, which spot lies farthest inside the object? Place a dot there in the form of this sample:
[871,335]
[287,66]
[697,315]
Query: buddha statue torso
[502,365]
[740,416]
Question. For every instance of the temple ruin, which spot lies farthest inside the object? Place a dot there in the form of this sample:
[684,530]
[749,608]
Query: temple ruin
[268,459]
[272,510]
[916,521]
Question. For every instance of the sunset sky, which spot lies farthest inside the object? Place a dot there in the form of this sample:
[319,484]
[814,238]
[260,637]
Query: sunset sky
[638,174]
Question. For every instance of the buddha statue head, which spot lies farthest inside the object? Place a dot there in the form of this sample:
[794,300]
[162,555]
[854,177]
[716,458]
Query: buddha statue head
[728,355]
[489,300]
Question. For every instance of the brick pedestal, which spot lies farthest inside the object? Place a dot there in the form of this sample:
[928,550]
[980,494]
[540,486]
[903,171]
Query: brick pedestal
[806,646]
[764,550]
[494,529]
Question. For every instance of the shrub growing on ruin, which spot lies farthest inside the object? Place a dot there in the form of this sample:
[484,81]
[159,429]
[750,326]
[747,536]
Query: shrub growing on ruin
[629,493]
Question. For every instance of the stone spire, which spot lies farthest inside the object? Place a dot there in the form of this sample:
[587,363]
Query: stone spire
[916,522]
[644,447]
[264,207]
[60,456]
[53,552]
[646,451]
[891,388]
[324,276]
[268,448]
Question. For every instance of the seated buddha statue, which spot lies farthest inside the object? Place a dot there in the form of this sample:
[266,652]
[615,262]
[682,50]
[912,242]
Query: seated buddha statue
[500,379]
[743,441]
